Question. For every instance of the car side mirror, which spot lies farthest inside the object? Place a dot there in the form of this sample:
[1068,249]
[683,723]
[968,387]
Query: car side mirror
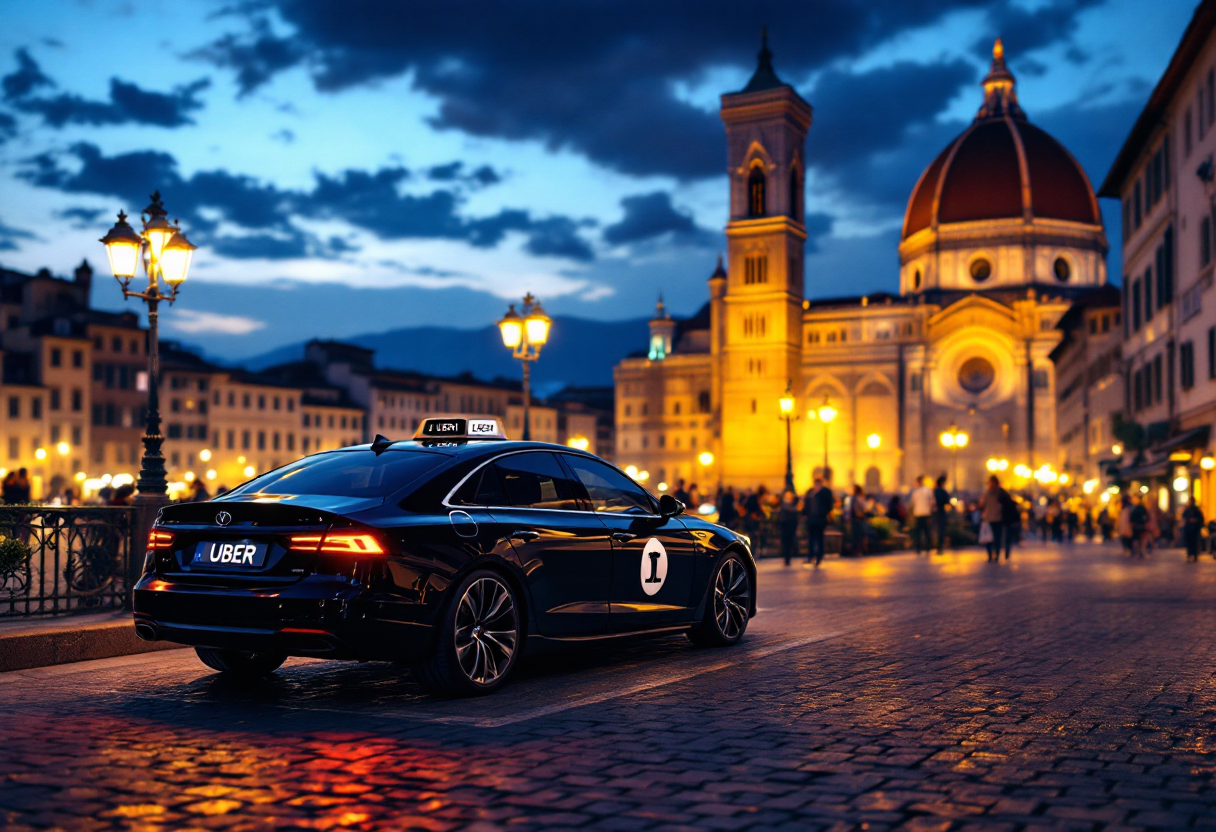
[669,506]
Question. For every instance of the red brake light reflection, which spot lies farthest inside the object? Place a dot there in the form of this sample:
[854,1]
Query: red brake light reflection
[342,544]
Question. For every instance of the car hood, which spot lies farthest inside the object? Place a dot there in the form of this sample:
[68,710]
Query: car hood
[322,502]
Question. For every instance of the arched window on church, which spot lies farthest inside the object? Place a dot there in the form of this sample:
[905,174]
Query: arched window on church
[755,192]
[795,193]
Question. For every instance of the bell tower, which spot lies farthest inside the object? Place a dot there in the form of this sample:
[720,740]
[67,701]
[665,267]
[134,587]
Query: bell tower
[761,327]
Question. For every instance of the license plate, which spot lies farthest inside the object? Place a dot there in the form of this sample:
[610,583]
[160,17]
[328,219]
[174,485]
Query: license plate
[234,555]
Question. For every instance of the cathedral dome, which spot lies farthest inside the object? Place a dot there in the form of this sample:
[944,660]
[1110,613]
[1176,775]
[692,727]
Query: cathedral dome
[1001,167]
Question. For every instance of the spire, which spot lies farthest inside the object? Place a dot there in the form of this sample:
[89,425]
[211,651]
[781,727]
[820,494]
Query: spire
[720,271]
[1000,89]
[660,311]
[764,77]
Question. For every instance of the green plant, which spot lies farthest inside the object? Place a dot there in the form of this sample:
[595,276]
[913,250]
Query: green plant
[14,554]
[884,527]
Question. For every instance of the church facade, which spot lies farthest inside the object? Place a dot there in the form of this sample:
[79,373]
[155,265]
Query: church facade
[1001,235]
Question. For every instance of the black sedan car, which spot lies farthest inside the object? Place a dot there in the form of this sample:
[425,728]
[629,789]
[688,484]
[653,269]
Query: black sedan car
[448,552]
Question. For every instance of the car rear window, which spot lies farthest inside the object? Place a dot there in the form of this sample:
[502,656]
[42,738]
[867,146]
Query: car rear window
[345,474]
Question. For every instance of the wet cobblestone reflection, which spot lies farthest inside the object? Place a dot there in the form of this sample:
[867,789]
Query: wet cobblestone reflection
[1071,690]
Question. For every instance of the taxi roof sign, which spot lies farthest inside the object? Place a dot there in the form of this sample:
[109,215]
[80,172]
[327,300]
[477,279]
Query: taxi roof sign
[458,427]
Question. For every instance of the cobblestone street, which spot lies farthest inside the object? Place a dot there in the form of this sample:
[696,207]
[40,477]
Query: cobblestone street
[1070,689]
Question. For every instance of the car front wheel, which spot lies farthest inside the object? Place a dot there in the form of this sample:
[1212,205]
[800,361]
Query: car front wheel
[478,641]
[240,663]
[726,608]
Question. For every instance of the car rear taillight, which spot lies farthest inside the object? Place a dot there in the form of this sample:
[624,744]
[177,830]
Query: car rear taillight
[338,543]
[160,540]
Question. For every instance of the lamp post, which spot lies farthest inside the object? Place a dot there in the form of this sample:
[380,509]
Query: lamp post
[524,334]
[165,253]
[826,414]
[954,439]
[787,414]
[874,442]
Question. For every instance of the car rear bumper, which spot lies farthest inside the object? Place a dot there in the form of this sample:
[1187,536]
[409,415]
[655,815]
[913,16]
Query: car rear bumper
[319,617]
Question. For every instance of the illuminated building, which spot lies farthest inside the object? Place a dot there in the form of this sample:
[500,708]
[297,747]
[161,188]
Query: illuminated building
[1002,233]
[1165,180]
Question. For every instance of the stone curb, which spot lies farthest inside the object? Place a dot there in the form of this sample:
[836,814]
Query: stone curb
[42,643]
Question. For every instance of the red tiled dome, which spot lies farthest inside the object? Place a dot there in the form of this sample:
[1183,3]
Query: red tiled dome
[1001,167]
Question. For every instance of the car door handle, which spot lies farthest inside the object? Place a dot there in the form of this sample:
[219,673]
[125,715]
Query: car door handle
[524,536]
[622,537]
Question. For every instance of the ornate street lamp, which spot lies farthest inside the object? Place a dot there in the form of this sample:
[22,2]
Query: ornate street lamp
[954,439]
[165,253]
[524,335]
[825,413]
[786,403]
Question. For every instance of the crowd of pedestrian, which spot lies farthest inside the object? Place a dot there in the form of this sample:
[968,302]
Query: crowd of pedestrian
[933,519]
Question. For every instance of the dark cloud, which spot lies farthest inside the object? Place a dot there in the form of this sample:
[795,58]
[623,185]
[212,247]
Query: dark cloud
[598,79]
[1022,29]
[256,56]
[27,78]
[370,200]
[128,104]
[818,226]
[8,127]
[652,215]
[10,237]
[454,172]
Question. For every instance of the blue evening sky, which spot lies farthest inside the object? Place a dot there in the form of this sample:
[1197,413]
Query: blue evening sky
[349,167]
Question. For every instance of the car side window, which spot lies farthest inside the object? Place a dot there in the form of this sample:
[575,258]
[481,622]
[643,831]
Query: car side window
[536,480]
[609,489]
[484,488]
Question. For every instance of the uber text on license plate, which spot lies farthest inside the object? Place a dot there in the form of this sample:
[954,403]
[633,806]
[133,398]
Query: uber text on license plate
[238,554]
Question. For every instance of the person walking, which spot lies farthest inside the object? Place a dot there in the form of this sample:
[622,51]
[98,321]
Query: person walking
[787,519]
[1192,526]
[922,503]
[992,514]
[681,493]
[1011,521]
[857,520]
[1139,517]
[817,507]
[942,497]
[728,515]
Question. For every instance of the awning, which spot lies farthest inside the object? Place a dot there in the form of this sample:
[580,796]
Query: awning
[1158,469]
[1188,440]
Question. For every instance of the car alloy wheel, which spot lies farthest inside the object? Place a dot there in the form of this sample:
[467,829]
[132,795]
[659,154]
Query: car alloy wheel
[487,631]
[732,597]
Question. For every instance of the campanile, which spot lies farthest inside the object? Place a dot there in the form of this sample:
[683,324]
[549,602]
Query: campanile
[758,319]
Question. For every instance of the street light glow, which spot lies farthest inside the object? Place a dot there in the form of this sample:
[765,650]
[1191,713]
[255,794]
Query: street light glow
[512,328]
[874,441]
[204,455]
[705,458]
[64,448]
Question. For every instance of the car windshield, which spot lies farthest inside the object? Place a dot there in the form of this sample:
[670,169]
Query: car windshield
[345,474]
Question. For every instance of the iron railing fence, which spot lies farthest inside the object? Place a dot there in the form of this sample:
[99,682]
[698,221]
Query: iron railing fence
[57,560]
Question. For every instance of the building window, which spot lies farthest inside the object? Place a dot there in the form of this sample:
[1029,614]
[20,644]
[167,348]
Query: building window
[1148,294]
[981,270]
[77,359]
[36,407]
[755,192]
[14,407]
[56,357]
[1186,133]
[54,398]
[1061,269]
[795,193]
[261,440]
[1135,306]
[1212,352]
[261,402]
[755,270]
[77,400]
[1157,379]
[1136,217]
[1186,364]
[703,401]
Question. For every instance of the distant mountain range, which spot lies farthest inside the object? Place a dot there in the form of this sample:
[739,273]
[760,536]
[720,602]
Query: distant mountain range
[580,352]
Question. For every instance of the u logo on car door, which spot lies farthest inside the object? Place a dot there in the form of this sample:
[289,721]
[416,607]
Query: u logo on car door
[654,566]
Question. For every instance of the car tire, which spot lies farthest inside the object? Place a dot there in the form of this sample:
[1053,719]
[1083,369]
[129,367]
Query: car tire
[479,639]
[728,599]
[240,663]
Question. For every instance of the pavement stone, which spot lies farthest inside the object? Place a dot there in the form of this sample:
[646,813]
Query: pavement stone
[1068,689]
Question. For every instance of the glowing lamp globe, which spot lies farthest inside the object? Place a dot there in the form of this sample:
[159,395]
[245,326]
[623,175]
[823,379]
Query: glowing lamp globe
[706,458]
[787,404]
[175,259]
[512,328]
[826,412]
[537,324]
[874,441]
[122,248]
[961,440]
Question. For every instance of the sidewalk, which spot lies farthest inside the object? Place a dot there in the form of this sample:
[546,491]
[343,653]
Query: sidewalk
[38,642]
